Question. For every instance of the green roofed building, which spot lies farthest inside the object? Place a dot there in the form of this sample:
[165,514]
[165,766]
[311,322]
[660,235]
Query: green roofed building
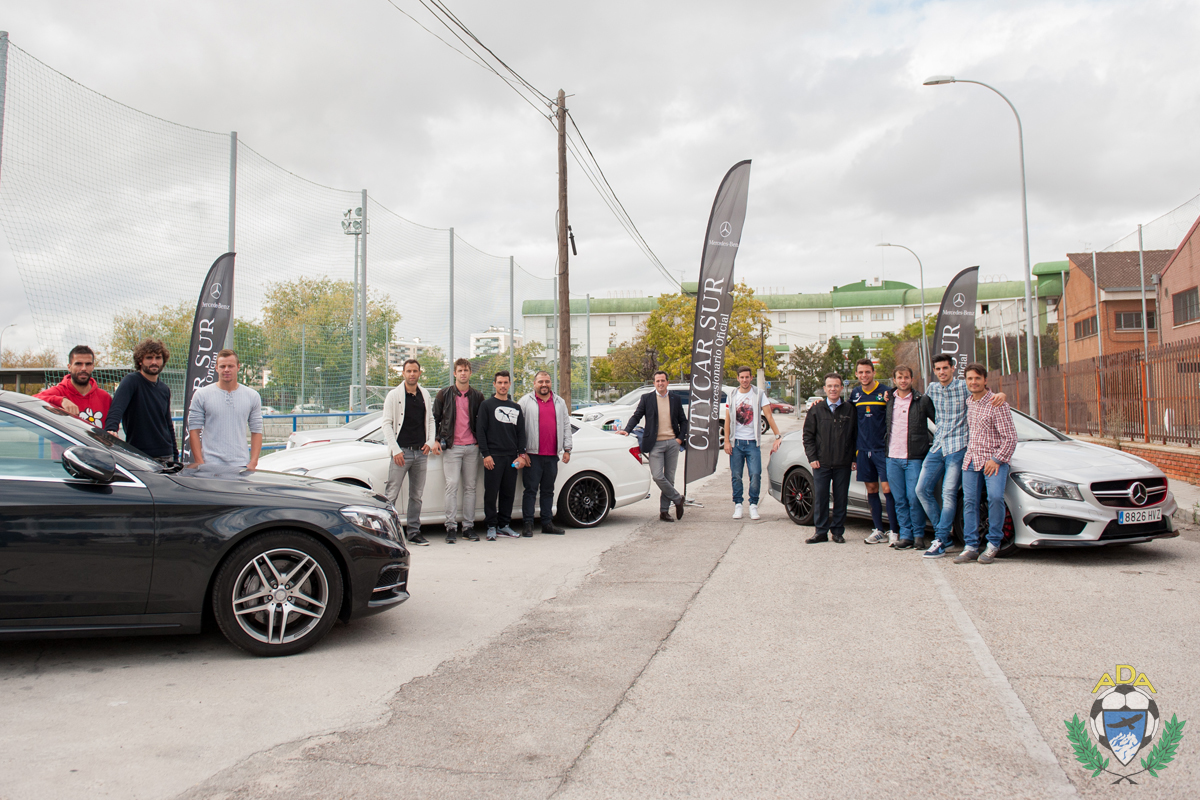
[868,309]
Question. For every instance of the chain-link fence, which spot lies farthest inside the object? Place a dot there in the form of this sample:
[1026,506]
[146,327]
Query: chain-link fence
[114,217]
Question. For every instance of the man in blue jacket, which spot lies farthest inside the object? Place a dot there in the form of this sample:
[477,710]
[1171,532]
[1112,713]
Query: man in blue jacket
[665,429]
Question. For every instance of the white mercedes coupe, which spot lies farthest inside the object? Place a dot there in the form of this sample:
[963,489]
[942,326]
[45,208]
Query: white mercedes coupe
[604,473]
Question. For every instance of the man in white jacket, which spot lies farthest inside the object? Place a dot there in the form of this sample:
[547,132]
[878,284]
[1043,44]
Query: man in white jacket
[547,434]
[410,433]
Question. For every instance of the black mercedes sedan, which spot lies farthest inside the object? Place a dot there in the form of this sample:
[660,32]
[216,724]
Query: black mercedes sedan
[98,539]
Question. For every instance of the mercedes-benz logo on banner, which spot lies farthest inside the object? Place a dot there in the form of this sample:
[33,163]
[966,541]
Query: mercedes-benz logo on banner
[726,229]
[959,300]
[215,291]
[1138,494]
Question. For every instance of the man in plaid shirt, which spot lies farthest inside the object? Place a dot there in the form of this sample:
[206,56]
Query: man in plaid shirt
[945,459]
[992,442]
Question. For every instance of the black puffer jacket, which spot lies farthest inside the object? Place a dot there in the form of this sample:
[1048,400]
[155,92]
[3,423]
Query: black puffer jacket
[920,414]
[831,437]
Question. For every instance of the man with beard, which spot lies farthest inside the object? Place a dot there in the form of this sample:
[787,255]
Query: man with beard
[143,404]
[77,394]
[547,433]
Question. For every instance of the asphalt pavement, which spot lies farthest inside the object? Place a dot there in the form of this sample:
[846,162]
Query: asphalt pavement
[704,658]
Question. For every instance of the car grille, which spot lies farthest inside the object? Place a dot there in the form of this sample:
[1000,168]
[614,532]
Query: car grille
[391,586]
[391,577]
[1114,530]
[1120,494]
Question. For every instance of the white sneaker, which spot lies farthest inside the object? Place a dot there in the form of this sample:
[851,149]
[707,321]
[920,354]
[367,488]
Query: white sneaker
[754,511]
[893,538]
[737,510]
[876,537]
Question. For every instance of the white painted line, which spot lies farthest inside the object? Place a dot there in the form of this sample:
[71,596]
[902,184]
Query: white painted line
[1018,716]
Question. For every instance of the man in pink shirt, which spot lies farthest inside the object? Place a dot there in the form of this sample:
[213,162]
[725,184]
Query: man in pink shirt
[547,433]
[454,412]
[907,439]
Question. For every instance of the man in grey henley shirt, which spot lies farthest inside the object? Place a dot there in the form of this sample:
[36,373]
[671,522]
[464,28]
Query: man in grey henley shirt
[219,417]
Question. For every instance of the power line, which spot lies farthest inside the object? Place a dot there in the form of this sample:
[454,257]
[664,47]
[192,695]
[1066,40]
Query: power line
[603,177]
[589,164]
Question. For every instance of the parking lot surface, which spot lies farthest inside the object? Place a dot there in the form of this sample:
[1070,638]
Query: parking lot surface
[704,658]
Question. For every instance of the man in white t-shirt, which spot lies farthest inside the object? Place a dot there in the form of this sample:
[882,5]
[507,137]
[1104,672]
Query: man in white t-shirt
[743,440]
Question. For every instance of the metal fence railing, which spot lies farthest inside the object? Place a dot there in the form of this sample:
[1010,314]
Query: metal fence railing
[1151,397]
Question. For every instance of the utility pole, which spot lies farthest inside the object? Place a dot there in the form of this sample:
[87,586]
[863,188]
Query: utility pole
[564,289]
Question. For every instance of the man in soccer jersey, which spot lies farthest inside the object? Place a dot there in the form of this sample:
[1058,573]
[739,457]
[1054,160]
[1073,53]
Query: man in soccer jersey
[870,399]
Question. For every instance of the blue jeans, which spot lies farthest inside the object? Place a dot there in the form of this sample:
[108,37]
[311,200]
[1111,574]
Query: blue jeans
[903,474]
[748,454]
[941,513]
[973,481]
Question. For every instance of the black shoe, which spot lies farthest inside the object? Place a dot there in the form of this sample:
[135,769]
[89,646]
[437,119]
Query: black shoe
[665,517]
[549,528]
[816,538]
[471,534]
[450,537]
[527,530]
[904,544]
[417,538]
[679,508]
[838,539]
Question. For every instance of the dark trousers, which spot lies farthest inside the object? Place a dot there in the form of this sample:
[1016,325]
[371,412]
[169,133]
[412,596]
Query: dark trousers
[823,479]
[499,484]
[540,474]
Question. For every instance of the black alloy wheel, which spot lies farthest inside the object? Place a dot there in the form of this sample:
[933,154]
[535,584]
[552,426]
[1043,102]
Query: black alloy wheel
[584,501]
[277,594]
[798,496]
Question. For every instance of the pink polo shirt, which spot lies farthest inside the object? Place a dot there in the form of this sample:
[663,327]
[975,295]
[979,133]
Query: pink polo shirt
[898,445]
[463,433]
[547,427]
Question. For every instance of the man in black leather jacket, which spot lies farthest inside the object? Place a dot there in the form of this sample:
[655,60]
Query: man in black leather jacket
[460,451]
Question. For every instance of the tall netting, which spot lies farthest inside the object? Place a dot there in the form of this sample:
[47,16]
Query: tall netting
[110,213]
[1163,233]
[114,216]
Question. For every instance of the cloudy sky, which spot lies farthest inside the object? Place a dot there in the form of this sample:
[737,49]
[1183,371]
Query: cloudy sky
[849,148]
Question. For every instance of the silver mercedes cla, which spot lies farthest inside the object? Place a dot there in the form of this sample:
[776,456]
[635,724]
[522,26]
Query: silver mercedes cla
[1061,492]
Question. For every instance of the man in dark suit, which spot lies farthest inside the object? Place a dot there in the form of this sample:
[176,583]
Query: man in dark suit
[665,428]
[830,442]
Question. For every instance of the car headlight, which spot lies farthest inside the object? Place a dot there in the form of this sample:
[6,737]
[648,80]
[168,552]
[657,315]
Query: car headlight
[296,471]
[1047,488]
[592,417]
[378,521]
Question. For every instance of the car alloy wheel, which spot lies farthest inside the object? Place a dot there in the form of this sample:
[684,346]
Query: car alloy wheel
[585,501]
[277,594]
[798,497]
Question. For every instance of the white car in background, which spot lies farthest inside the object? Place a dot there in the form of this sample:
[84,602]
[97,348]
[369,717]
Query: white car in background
[609,416]
[352,430]
[605,472]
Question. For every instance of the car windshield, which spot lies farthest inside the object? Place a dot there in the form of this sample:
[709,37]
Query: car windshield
[1030,430]
[633,397]
[363,422]
[94,437]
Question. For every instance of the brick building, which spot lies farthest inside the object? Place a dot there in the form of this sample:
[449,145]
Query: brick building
[1119,325]
[1180,290]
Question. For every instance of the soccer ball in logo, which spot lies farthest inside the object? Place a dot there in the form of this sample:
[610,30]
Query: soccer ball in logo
[1124,719]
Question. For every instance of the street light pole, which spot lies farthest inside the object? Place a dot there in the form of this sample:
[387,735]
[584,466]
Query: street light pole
[937,80]
[2,330]
[925,354]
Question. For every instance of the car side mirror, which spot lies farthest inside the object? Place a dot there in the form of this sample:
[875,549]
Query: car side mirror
[89,463]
